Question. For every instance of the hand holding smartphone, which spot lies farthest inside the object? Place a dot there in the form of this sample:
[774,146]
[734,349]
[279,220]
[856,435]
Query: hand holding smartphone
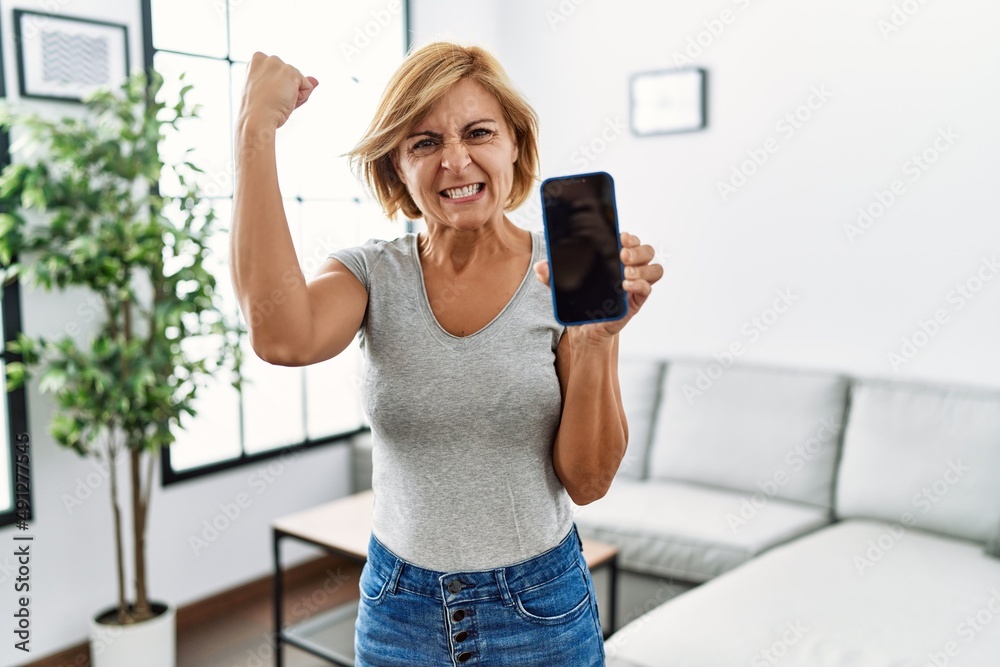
[584,249]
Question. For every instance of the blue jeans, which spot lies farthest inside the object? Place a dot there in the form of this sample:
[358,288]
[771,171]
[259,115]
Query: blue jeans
[539,612]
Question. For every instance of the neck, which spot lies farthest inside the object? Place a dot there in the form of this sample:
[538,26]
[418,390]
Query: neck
[457,250]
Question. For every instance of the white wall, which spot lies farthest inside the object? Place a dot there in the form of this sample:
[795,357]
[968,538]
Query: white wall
[726,261]
[72,556]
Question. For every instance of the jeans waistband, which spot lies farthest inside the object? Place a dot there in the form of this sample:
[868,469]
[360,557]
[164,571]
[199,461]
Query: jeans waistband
[475,584]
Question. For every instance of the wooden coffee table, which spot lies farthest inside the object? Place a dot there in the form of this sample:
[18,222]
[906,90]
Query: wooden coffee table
[343,527]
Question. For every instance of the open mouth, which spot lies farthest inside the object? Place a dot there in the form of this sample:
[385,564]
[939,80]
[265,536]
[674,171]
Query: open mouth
[464,192]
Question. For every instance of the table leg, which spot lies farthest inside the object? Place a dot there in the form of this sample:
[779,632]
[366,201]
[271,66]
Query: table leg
[613,588]
[278,599]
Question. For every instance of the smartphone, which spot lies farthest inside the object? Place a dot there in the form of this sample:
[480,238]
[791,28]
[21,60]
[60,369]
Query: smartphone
[584,248]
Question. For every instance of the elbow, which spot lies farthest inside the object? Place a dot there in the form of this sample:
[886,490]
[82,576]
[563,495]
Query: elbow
[595,483]
[276,355]
[284,358]
[270,356]
[280,360]
[582,499]
[592,489]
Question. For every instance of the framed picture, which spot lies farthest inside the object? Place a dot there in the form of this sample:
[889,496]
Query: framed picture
[67,58]
[667,101]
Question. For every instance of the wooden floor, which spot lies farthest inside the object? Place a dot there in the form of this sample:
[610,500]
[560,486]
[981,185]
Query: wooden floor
[244,636]
[236,628]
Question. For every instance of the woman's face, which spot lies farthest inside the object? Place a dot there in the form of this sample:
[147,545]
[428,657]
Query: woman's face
[458,162]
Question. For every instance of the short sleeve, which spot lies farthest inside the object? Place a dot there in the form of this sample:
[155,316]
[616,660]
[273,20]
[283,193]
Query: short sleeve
[360,260]
[560,329]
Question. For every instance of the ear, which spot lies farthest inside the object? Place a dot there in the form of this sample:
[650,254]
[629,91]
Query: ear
[394,161]
[515,151]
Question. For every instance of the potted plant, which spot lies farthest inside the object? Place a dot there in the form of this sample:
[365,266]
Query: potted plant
[90,190]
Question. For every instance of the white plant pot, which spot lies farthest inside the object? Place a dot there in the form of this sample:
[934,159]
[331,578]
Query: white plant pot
[152,643]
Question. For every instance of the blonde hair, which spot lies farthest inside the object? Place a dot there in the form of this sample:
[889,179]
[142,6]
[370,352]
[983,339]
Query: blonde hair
[423,78]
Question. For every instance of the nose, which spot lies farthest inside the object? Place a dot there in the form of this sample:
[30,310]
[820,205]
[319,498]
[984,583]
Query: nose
[455,156]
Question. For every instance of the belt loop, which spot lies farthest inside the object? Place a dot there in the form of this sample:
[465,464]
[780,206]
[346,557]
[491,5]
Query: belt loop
[508,600]
[397,570]
[578,540]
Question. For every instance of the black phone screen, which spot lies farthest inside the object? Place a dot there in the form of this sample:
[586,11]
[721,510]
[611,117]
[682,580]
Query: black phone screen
[581,229]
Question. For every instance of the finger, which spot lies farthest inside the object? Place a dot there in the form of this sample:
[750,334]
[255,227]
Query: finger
[641,254]
[629,240]
[639,288]
[542,271]
[648,272]
[255,60]
[306,86]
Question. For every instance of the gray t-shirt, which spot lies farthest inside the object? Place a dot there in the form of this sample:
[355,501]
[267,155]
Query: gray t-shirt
[462,427]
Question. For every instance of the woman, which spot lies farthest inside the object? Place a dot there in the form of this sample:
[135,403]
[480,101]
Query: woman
[488,417]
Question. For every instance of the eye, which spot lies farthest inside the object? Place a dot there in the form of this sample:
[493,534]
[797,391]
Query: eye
[480,134]
[423,144]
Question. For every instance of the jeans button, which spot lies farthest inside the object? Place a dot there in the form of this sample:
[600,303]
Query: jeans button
[462,657]
[458,615]
[461,636]
[455,586]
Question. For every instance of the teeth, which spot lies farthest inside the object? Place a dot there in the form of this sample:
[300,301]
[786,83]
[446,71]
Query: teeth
[458,193]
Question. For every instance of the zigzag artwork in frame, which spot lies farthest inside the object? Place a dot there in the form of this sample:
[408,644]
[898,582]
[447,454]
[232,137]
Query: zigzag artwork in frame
[66,58]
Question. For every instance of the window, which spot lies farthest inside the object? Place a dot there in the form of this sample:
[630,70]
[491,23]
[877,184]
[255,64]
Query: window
[352,49]
[13,413]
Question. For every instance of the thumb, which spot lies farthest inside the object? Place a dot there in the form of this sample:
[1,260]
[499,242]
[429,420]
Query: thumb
[306,86]
[542,272]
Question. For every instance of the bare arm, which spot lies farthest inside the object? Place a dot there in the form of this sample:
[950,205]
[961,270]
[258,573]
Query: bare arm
[593,433]
[291,322]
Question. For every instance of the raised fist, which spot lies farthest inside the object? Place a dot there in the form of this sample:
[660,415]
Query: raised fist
[273,89]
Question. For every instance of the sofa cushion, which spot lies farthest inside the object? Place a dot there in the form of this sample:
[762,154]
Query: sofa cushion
[689,531]
[639,380]
[812,602]
[926,457]
[993,546]
[771,432]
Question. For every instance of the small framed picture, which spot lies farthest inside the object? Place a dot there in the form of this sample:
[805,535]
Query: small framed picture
[67,58]
[668,101]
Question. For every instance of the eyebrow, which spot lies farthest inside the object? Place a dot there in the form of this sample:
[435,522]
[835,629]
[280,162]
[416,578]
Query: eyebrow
[438,135]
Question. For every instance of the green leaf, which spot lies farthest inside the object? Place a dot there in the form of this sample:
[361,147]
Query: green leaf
[8,223]
[52,380]
[88,177]
[16,375]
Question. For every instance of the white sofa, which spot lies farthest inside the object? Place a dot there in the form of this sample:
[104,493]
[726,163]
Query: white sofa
[804,518]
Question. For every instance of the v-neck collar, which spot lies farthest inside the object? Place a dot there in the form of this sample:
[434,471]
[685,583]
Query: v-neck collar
[477,338]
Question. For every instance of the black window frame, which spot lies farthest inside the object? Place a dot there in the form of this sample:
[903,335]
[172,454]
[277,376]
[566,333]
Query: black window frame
[17,404]
[169,476]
